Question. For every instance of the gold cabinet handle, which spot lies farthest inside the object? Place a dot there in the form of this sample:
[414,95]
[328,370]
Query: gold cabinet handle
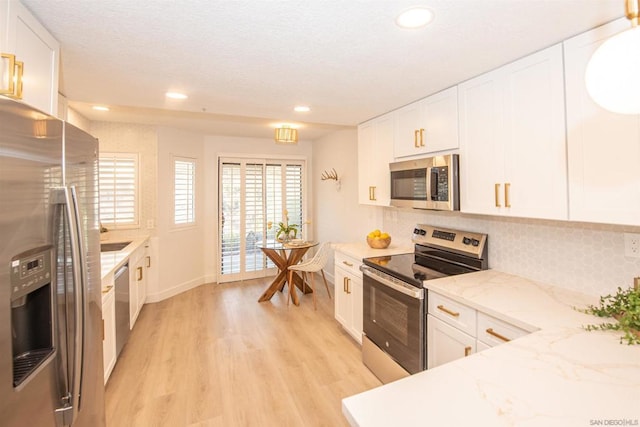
[446,310]
[372,193]
[344,285]
[11,70]
[102,329]
[421,137]
[507,187]
[497,194]
[348,285]
[139,270]
[19,72]
[491,332]
[415,138]
[467,351]
[348,264]
[107,289]
[148,261]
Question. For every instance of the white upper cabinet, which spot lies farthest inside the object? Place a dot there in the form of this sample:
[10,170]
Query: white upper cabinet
[427,126]
[600,189]
[33,46]
[512,139]
[375,152]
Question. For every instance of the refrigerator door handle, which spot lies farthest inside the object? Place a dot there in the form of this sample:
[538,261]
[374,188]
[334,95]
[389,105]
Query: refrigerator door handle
[69,412]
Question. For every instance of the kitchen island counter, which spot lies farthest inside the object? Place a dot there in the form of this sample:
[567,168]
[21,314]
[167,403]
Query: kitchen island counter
[559,375]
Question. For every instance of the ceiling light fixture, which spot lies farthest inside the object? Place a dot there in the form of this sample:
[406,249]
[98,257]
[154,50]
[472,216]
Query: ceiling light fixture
[415,17]
[613,73]
[176,95]
[301,108]
[100,108]
[286,135]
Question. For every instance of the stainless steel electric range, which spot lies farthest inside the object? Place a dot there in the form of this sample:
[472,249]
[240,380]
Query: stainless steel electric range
[394,298]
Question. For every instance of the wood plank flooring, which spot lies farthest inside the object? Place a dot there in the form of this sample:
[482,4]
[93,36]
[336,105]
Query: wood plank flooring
[214,356]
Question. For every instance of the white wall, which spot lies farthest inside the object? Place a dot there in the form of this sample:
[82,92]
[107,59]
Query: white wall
[215,146]
[338,217]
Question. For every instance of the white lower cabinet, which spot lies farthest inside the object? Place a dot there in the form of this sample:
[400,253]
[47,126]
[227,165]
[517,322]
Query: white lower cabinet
[138,262]
[446,343]
[348,295]
[108,331]
[455,330]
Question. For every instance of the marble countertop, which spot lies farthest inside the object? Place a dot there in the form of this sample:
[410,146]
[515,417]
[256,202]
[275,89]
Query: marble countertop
[559,375]
[111,261]
[361,250]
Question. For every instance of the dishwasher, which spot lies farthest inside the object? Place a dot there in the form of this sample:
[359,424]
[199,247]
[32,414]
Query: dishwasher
[122,307]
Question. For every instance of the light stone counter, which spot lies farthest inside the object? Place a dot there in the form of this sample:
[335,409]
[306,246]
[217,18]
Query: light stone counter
[361,250]
[560,375]
[111,261]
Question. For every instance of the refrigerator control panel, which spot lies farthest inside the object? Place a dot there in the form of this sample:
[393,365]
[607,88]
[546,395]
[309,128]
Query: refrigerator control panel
[30,271]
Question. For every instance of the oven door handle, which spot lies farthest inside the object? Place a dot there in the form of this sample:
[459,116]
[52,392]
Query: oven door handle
[412,291]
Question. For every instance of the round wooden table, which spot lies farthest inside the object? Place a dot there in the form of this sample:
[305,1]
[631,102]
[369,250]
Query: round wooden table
[284,255]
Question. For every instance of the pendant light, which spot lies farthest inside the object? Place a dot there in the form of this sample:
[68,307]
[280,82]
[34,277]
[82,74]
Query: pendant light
[286,135]
[613,73]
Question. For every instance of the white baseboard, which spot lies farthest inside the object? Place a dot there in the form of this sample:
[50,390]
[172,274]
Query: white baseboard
[183,287]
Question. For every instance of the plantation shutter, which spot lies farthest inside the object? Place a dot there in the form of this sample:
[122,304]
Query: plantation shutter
[118,181]
[184,191]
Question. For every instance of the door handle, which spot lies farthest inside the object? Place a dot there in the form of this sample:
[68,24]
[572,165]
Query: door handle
[11,71]
[139,270]
[148,262]
[507,188]
[421,137]
[497,195]
[372,193]
[415,138]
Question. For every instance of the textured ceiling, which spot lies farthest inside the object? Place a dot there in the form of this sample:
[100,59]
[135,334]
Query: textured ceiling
[246,63]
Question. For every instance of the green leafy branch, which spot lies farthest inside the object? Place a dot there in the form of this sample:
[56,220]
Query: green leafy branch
[624,306]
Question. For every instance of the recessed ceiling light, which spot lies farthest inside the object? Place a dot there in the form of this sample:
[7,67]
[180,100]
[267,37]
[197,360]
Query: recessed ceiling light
[302,108]
[100,108]
[416,17]
[176,95]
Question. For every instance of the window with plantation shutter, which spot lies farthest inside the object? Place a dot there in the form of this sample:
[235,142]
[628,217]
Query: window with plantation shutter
[252,194]
[118,181]
[184,191]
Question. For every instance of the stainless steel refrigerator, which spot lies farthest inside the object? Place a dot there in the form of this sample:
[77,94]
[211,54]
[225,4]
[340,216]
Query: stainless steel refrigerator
[51,371]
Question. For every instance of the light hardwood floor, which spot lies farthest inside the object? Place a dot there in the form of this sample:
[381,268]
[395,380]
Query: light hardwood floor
[214,356]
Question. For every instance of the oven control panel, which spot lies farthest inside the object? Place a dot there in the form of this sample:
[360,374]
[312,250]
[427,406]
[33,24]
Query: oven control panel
[465,242]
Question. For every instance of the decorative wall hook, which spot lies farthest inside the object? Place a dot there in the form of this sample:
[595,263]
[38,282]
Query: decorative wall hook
[332,175]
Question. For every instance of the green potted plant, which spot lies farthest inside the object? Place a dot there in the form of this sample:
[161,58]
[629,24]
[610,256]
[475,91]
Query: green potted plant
[624,306]
[285,231]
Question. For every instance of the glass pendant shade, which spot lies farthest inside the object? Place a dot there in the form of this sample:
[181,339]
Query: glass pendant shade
[286,135]
[613,73]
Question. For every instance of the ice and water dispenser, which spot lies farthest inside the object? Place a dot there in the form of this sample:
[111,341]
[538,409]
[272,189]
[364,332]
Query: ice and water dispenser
[31,311]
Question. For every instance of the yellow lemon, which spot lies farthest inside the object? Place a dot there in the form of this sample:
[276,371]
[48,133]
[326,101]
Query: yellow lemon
[371,235]
[376,232]
[384,236]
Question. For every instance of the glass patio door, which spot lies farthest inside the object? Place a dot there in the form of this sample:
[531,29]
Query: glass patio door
[252,193]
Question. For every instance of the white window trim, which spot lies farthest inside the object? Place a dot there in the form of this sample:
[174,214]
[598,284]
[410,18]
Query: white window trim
[194,223]
[137,191]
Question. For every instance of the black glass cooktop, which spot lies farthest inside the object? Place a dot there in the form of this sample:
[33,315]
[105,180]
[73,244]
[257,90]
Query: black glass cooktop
[415,269]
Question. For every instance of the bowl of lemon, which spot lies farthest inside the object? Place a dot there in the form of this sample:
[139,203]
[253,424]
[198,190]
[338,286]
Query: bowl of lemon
[378,240]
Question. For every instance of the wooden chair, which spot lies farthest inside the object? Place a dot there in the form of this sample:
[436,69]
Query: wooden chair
[315,264]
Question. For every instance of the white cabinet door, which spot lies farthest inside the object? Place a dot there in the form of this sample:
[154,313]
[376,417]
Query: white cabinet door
[427,126]
[343,312]
[407,137]
[481,148]
[512,139]
[440,115]
[375,152]
[603,147]
[33,45]
[534,137]
[355,294]
[109,330]
[446,343]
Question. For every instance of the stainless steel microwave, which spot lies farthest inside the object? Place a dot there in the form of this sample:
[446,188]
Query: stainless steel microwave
[429,183]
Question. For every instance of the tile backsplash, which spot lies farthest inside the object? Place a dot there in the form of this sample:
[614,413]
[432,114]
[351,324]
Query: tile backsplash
[585,257]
